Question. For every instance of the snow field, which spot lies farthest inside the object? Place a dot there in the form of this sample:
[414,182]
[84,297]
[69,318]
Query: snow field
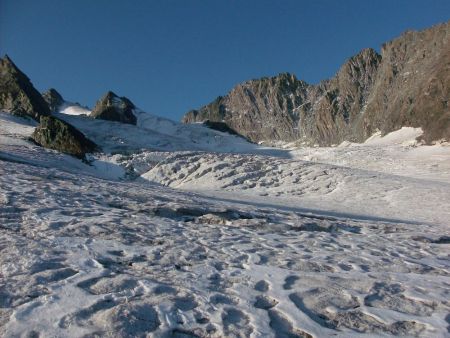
[247,245]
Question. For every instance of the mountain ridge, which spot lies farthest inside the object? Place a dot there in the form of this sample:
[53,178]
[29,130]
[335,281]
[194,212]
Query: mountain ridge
[114,108]
[17,94]
[407,85]
[368,93]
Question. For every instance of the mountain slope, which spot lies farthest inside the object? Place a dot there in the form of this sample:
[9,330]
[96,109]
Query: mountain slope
[412,87]
[53,99]
[156,134]
[407,85]
[17,94]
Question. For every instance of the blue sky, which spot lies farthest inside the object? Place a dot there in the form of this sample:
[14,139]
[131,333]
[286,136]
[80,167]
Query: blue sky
[170,56]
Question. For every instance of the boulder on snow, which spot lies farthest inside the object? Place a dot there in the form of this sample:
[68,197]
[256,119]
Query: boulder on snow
[56,134]
[114,108]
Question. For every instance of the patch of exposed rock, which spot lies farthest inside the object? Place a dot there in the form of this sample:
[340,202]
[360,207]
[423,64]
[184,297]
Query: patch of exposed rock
[53,99]
[114,108]
[58,135]
[219,126]
[407,85]
[17,94]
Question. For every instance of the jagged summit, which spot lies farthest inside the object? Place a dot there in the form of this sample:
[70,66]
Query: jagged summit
[114,108]
[17,94]
[7,62]
[19,97]
[53,99]
[407,85]
[284,108]
[254,108]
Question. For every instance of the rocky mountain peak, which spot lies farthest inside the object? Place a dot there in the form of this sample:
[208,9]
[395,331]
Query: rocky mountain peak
[17,94]
[114,108]
[285,82]
[112,99]
[110,96]
[53,99]
[256,108]
[10,67]
[407,85]
[7,63]
[360,66]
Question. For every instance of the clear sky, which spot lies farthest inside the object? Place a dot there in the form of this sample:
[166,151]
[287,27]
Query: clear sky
[170,56]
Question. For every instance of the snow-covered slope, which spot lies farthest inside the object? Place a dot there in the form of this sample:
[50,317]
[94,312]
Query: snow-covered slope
[155,133]
[403,136]
[82,254]
[297,183]
[397,153]
[15,146]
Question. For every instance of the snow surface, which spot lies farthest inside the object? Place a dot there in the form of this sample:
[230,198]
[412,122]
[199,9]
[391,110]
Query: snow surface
[157,133]
[73,109]
[163,235]
[404,136]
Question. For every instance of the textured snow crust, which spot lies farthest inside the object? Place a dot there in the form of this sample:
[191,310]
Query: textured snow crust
[251,245]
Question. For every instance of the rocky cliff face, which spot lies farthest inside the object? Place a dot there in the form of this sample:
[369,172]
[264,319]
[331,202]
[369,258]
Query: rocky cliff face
[332,111]
[17,94]
[263,109]
[114,108]
[407,85]
[413,85]
[53,98]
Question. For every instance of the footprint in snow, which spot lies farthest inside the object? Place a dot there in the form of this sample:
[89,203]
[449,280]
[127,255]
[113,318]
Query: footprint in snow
[262,286]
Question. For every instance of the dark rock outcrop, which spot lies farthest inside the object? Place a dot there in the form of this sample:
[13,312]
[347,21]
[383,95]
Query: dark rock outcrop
[407,85]
[56,134]
[53,99]
[17,94]
[220,126]
[113,108]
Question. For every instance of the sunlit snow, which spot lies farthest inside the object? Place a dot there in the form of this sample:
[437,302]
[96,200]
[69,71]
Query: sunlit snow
[179,230]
